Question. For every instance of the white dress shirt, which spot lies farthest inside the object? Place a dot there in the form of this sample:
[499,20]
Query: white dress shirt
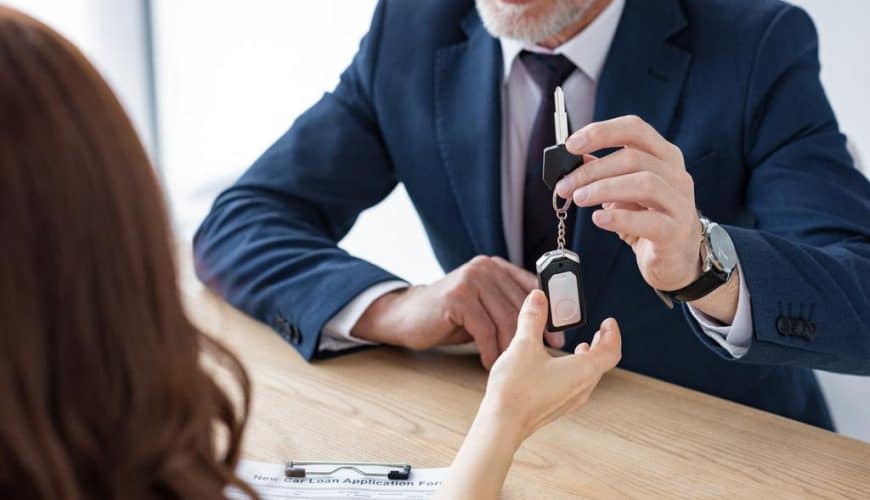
[520,100]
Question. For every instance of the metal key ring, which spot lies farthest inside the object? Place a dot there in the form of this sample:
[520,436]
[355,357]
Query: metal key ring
[565,206]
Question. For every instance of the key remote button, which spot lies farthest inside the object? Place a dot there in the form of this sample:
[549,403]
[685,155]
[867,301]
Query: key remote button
[564,299]
[566,310]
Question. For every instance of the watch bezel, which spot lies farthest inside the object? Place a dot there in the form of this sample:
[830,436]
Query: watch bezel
[721,251]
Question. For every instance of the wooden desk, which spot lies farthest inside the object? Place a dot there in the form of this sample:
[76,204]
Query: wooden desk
[637,437]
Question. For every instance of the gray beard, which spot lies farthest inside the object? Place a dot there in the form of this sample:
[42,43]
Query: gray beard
[512,21]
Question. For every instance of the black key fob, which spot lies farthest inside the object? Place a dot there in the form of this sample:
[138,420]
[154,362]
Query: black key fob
[558,163]
[559,277]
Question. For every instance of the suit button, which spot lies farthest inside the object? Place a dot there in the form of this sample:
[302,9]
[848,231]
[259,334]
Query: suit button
[282,327]
[783,326]
[295,335]
[805,329]
[798,327]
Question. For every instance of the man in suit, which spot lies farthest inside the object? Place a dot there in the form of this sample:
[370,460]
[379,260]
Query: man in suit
[681,108]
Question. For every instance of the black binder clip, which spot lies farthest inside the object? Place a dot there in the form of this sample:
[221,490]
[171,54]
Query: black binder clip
[399,472]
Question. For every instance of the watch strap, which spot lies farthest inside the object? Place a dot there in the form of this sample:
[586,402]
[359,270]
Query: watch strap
[699,288]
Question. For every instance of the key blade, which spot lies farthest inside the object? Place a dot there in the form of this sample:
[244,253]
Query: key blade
[560,116]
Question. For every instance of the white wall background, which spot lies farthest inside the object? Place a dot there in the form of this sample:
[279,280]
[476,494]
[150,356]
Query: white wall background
[232,76]
[844,42]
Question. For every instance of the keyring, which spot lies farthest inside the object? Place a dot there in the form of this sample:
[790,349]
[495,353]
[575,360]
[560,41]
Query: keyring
[565,206]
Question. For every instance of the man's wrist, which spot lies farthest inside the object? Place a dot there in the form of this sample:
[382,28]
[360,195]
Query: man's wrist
[692,275]
[721,303]
[695,256]
[710,282]
[378,322]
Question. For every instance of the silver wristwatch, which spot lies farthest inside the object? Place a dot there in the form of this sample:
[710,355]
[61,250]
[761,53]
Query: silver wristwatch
[718,261]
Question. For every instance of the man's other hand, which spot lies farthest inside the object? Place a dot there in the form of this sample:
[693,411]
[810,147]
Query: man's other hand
[479,301]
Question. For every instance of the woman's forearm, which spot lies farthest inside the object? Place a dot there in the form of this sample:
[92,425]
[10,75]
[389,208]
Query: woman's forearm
[480,467]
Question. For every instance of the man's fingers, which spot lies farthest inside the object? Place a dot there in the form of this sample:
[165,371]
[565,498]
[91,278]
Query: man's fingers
[458,336]
[515,283]
[526,280]
[500,309]
[515,286]
[645,188]
[629,131]
[533,316]
[647,224]
[624,161]
[623,205]
[479,325]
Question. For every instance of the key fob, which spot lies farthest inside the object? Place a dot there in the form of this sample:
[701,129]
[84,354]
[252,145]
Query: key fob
[558,163]
[559,277]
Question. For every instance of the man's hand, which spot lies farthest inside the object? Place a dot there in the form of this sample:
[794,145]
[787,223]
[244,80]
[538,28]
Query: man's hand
[479,301]
[647,198]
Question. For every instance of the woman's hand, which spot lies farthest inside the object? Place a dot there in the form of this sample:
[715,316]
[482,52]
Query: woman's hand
[527,389]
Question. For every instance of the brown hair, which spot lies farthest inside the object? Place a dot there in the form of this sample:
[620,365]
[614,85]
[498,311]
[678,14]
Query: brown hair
[103,393]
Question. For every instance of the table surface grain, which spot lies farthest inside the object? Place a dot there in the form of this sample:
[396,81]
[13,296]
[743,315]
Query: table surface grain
[636,437]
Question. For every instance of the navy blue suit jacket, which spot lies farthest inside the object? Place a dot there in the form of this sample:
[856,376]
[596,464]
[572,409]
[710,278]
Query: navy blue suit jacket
[734,83]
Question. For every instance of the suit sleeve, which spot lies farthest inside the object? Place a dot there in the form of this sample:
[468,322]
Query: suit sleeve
[269,244]
[807,260]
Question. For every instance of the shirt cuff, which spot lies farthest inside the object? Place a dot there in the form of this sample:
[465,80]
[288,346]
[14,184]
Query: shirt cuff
[336,336]
[735,338]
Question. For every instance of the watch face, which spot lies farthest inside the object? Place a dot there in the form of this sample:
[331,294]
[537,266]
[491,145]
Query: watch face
[724,253]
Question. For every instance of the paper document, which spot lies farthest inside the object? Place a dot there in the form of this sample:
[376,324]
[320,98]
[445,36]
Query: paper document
[269,481]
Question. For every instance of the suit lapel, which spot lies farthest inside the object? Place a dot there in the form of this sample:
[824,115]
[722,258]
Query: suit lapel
[468,128]
[643,75]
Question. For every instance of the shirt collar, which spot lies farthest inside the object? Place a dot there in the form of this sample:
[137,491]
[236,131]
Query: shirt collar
[587,49]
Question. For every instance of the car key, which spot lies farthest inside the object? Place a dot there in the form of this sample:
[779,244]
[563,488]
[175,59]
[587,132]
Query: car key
[558,162]
[559,277]
[559,270]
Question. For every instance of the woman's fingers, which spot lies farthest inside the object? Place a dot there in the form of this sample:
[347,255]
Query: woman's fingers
[555,339]
[595,339]
[589,363]
[592,360]
[583,347]
[533,317]
[606,350]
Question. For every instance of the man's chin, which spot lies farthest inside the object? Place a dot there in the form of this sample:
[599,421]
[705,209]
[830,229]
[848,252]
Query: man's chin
[527,20]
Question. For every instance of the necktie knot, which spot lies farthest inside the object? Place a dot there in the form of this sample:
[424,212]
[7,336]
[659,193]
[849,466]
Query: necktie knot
[547,70]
